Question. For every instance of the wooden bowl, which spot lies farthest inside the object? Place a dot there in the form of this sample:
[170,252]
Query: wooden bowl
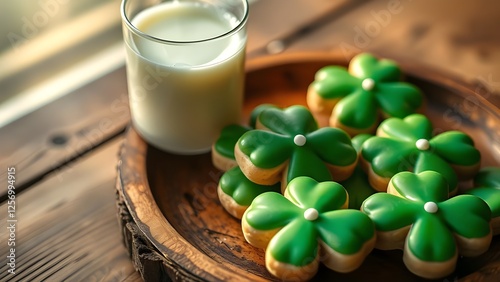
[175,228]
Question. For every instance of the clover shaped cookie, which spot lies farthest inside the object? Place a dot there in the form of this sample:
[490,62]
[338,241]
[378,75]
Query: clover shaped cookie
[290,144]
[487,187]
[417,216]
[408,145]
[308,224]
[356,98]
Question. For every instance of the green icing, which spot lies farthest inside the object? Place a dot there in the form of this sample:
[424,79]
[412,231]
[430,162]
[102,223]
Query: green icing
[343,230]
[332,145]
[390,212]
[449,143]
[358,140]
[365,65]
[398,99]
[348,110]
[431,161]
[422,187]
[487,187]
[235,184]
[359,107]
[430,240]
[228,138]
[431,235]
[299,165]
[388,156]
[268,149]
[411,128]
[358,187]
[474,223]
[491,195]
[290,121]
[271,210]
[334,82]
[306,192]
[397,151]
[296,243]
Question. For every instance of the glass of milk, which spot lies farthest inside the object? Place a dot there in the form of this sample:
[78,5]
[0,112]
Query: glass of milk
[185,69]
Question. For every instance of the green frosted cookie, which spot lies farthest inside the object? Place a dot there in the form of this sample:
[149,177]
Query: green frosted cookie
[288,144]
[408,145]
[417,215]
[307,225]
[356,98]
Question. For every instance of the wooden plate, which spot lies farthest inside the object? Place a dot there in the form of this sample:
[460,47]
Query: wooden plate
[175,228]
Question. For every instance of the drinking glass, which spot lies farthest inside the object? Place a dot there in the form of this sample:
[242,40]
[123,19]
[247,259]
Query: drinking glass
[185,69]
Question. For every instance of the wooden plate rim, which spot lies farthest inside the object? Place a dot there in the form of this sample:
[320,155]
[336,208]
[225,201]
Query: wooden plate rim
[138,197]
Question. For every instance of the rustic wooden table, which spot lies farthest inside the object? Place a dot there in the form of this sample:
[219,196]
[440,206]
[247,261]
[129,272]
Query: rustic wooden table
[65,154]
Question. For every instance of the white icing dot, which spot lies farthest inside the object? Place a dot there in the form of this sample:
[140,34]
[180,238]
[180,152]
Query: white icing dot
[422,144]
[431,207]
[368,84]
[275,47]
[299,140]
[311,214]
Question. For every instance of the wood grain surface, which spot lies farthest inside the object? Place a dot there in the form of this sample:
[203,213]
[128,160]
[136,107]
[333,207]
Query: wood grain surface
[78,136]
[67,225]
[173,203]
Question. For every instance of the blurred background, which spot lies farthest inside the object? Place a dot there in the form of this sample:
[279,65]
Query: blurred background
[64,105]
[48,48]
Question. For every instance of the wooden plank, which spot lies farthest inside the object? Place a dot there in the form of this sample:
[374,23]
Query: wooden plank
[463,43]
[295,18]
[43,141]
[67,225]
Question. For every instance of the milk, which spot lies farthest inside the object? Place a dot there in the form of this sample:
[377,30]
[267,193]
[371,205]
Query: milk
[183,94]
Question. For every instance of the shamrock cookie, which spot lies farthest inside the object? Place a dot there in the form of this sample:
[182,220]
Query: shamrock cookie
[487,187]
[236,192]
[223,148]
[417,216]
[307,225]
[356,98]
[408,145]
[290,144]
